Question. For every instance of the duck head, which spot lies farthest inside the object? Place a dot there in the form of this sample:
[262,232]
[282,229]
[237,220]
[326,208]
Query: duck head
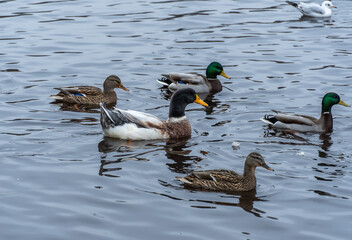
[329,100]
[254,160]
[112,82]
[214,69]
[180,99]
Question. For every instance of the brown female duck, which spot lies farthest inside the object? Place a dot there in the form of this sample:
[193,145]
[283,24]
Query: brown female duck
[89,95]
[227,180]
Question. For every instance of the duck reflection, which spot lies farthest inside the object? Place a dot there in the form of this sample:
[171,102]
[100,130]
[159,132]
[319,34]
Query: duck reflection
[325,138]
[325,141]
[120,145]
[126,150]
[83,121]
[245,199]
[178,152]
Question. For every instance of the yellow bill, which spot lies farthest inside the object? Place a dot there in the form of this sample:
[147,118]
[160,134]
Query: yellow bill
[200,101]
[224,75]
[343,103]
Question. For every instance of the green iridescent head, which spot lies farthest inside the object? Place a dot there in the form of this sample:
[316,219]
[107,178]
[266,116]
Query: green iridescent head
[214,69]
[329,100]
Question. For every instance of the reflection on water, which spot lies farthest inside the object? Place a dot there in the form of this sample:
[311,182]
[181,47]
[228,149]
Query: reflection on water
[301,138]
[177,150]
[60,169]
[124,152]
[244,200]
[326,141]
[180,152]
[119,145]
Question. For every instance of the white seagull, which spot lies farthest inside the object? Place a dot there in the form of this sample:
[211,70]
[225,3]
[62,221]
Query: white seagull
[313,9]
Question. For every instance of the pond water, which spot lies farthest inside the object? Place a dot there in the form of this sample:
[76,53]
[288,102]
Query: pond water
[61,179]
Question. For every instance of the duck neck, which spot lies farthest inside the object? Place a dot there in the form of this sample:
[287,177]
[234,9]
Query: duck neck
[108,90]
[249,172]
[110,96]
[326,121]
[326,117]
[177,110]
[215,85]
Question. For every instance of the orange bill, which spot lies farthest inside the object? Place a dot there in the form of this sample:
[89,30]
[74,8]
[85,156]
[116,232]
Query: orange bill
[200,101]
[123,87]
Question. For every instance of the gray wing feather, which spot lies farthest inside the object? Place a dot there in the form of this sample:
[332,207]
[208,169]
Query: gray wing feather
[296,119]
[188,78]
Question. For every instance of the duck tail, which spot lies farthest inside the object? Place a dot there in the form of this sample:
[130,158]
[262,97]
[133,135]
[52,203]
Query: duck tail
[64,91]
[184,180]
[292,3]
[164,81]
[56,97]
[269,119]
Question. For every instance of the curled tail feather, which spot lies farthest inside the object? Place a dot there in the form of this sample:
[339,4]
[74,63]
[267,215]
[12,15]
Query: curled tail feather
[269,119]
[164,81]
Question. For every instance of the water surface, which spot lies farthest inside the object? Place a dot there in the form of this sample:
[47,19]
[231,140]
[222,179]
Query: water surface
[62,180]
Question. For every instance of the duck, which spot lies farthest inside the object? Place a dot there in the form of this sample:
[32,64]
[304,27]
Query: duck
[313,9]
[304,123]
[135,125]
[200,83]
[90,95]
[226,180]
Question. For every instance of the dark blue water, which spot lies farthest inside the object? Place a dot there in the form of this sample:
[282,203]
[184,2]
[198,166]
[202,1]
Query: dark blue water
[60,179]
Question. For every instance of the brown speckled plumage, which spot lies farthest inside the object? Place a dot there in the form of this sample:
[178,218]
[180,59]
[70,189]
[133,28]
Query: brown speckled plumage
[173,129]
[226,180]
[179,129]
[90,95]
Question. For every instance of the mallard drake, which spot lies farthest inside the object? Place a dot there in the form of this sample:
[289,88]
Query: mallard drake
[313,9]
[199,82]
[227,180]
[303,123]
[133,125]
[89,95]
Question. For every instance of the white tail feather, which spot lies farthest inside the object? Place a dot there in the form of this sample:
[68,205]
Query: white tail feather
[184,180]
[162,83]
[56,97]
[266,121]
